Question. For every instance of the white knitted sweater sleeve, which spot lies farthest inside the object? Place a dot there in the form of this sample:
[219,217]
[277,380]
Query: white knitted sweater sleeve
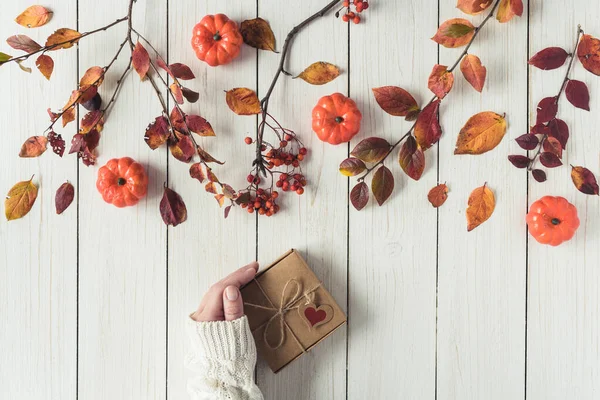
[222,358]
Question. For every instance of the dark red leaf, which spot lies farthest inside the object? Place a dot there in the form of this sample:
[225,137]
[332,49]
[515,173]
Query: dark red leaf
[172,208]
[550,160]
[161,63]
[519,161]
[197,172]
[553,146]
[78,143]
[427,128]
[359,196]
[352,166]
[549,58]
[412,159]
[157,133]
[177,119]
[190,95]
[560,131]
[527,141]
[382,184]
[226,211]
[546,110]
[57,143]
[584,180]
[87,157]
[199,125]
[177,92]
[182,147]
[140,60]
[64,197]
[371,150]
[396,101]
[181,71]
[540,129]
[92,138]
[577,93]
[539,175]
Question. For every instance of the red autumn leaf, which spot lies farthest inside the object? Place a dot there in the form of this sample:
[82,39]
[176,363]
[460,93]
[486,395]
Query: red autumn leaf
[527,141]
[190,95]
[177,119]
[45,64]
[412,158]
[549,58]
[140,60]
[177,92]
[78,144]
[172,208]
[539,175]
[546,109]
[199,125]
[584,180]
[440,81]
[559,130]
[157,133]
[371,150]
[161,63]
[92,139]
[34,16]
[508,9]
[473,7]
[588,52]
[427,128]
[553,146]
[352,166]
[454,32]
[243,197]
[519,161]
[92,120]
[382,184]
[359,196]
[182,148]
[577,93]
[57,143]
[473,71]
[226,211]
[540,129]
[395,100]
[211,175]
[196,172]
[438,195]
[23,42]
[550,160]
[35,146]
[181,71]
[64,197]
[87,157]
[207,158]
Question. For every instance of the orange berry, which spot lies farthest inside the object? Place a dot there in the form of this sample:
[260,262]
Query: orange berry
[356,19]
[248,140]
[346,4]
[345,18]
[300,190]
[300,156]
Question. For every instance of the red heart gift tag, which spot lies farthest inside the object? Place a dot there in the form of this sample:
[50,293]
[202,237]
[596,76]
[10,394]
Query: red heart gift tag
[315,316]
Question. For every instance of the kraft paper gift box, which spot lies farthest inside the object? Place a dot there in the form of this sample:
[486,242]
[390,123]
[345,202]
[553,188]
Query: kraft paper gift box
[289,310]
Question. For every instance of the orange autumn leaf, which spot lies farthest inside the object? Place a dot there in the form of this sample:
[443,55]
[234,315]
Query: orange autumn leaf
[93,76]
[480,207]
[481,133]
[508,9]
[440,81]
[588,52]
[45,64]
[63,38]
[319,73]
[20,199]
[473,71]
[473,7]
[243,101]
[455,32]
[438,195]
[35,146]
[34,17]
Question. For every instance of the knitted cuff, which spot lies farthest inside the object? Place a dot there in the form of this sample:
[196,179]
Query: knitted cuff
[222,340]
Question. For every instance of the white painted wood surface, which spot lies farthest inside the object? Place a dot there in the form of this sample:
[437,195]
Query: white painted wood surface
[93,301]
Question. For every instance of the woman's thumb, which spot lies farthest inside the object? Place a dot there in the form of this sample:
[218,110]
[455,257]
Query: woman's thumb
[233,305]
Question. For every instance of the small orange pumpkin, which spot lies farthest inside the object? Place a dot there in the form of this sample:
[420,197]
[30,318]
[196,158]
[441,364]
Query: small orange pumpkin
[122,182]
[216,40]
[336,119]
[552,220]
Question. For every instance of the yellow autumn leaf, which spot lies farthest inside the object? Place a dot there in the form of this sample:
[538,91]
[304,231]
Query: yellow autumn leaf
[63,38]
[481,133]
[243,101]
[33,17]
[319,73]
[480,207]
[20,199]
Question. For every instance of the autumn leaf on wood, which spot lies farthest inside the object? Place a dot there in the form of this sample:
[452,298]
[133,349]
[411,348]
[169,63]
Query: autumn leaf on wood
[92,120]
[473,7]
[473,71]
[382,184]
[64,197]
[45,64]
[92,139]
[440,81]
[258,34]
[539,175]
[352,166]
[199,125]
[94,76]
[412,158]
[359,196]
[243,101]
[456,32]
[371,150]
[228,191]
[177,92]
[34,17]
[550,160]
[588,52]
[157,133]
[23,42]
[4,57]
[211,175]
[584,180]
[20,199]
[395,101]
[549,58]
[196,172]
[480,207]
[319,73]
[181,71]
[553,146]
[577,93]
[527,141]
[57,143]
[546,109]
[190,95]
[63,38]
[559,130]
[182,147]
[481,133]
[172,208]
[508,9]
[140,60]
[35,146]
[204,156]
[438,195]
[519,161]
[220,199]
[210,187]
[427,128]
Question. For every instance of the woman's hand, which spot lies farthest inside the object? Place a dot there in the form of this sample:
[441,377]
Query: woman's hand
[223,301]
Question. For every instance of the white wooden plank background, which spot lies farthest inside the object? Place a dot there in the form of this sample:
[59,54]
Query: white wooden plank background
[92,302]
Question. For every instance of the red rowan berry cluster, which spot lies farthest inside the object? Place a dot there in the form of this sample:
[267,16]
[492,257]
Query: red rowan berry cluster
[349,15]
[263,202]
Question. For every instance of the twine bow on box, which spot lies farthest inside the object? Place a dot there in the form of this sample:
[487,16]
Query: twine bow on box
[284,307]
